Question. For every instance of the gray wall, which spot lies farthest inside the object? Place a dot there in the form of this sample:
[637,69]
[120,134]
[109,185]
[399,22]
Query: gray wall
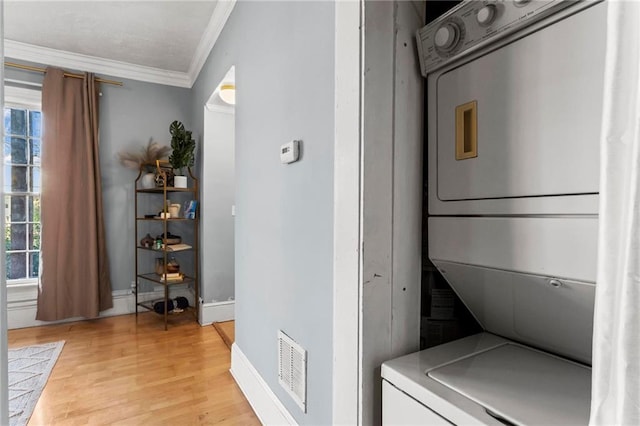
[217,196]
[129,116]
[284,58]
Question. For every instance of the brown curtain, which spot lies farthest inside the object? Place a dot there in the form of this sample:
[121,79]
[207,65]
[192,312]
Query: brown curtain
[75,279]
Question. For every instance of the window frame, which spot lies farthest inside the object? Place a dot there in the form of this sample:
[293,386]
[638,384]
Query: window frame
[18,97]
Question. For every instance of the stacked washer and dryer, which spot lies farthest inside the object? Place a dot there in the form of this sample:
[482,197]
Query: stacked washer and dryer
[514,106]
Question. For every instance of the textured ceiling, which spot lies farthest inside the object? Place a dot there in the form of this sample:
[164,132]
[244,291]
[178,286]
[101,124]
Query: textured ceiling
[158,34]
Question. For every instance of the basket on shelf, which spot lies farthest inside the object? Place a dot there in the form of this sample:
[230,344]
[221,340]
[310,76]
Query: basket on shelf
[170,238]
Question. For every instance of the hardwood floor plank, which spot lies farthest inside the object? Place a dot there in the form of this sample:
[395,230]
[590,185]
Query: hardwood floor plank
[226,329]
[127,370]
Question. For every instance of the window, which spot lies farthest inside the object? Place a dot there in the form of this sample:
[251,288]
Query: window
[22,133]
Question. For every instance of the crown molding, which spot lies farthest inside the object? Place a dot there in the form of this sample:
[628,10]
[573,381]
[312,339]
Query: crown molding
[75,61]
[210,36]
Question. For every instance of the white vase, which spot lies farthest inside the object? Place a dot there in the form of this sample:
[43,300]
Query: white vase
[180,181]
[148,180]
[174,210]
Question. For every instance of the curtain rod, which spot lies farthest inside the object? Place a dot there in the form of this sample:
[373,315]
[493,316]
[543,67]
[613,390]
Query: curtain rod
[66,74]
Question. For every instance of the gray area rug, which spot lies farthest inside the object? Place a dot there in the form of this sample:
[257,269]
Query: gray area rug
[29,369]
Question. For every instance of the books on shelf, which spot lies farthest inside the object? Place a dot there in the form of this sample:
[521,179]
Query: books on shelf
[190,208]
[176,247]
[172,276]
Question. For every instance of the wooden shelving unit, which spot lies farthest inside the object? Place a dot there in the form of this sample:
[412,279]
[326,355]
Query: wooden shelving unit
[144,269]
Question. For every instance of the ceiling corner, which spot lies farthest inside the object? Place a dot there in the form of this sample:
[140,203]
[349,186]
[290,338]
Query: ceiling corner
[209,37]
[113,68]
[76,61]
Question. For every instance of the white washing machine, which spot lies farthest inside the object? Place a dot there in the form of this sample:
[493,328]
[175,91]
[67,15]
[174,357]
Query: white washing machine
[514,106]
[531,366]
[485,379]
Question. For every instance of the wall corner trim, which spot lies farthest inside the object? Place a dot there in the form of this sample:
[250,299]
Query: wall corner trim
[264,402]
[347,213]
[216,312]
[209,37]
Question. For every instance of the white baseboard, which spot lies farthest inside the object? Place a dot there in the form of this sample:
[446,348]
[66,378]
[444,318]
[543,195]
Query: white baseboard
[264,402]
[22,314]
[216,312]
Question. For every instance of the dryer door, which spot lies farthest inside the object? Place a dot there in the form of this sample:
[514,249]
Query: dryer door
[524,120]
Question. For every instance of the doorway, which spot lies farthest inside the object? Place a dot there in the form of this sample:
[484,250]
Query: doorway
[218,204]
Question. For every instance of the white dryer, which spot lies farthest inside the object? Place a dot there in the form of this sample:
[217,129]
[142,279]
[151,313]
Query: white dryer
[514,106]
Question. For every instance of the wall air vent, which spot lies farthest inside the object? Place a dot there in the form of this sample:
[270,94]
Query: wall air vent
[292,369]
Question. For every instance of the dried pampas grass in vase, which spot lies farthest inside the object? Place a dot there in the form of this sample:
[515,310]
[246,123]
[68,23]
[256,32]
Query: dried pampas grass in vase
[145,156]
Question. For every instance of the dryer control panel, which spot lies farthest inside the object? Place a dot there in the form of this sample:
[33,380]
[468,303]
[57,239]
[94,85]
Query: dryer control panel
[472,24]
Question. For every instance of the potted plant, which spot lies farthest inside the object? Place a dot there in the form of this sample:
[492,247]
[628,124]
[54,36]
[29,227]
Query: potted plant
[182,156]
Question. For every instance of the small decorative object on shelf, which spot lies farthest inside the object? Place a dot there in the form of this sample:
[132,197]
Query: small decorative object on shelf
[164,174]
[173,266]
[174,210]
[165,266]
[190,208]
[160,265]
[147,241]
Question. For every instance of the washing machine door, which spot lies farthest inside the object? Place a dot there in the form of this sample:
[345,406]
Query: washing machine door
[522,120]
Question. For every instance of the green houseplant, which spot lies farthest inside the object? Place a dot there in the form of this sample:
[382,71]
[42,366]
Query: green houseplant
[182,156]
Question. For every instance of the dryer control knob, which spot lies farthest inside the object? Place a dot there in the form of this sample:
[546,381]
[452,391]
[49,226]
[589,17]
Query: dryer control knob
[446,36]
[486,15]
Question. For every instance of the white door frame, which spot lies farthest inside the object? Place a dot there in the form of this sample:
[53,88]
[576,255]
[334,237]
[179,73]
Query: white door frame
[347,215]
[4,400]
[377,199]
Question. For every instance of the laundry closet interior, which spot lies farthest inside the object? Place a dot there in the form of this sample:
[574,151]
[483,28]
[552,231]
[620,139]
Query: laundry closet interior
[513,112]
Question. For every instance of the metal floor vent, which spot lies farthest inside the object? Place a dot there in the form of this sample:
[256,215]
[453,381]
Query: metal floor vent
[292,369]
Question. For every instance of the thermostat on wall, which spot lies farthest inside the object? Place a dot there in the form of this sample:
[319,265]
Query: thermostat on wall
[289,152]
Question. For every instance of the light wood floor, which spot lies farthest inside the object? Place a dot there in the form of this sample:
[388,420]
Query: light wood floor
[120,370]
[227,331]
